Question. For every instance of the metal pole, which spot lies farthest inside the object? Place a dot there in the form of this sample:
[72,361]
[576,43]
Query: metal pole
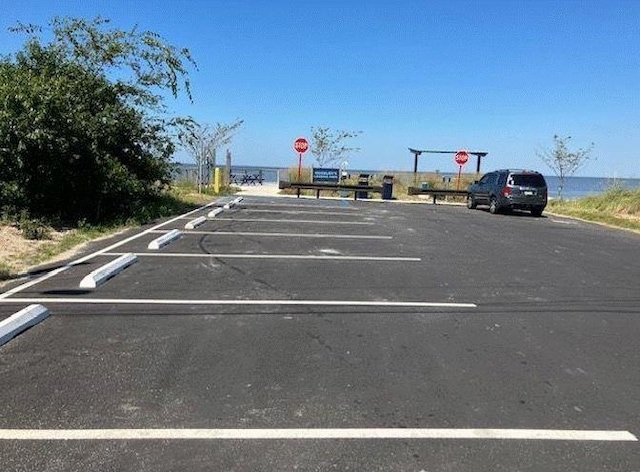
[299,172]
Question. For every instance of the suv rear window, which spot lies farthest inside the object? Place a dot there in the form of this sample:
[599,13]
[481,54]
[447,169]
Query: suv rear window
[527,180]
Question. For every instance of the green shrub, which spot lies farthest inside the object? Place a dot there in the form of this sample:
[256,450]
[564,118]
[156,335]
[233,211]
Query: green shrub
[5,271]
[34,229]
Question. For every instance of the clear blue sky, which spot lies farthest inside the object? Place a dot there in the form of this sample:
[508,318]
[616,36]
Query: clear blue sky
[500,76]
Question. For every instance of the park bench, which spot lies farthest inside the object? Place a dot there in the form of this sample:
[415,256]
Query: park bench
[318,187]
[436,192]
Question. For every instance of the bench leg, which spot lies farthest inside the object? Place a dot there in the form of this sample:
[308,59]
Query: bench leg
[317,194]
[434,199]
[298,193]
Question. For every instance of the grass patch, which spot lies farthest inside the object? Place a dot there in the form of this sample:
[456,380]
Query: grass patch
[5,270]
[32,242]
[617,207]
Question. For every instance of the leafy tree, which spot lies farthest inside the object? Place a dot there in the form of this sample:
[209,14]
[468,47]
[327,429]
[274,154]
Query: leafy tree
[75,143]
[329,147]
[564,162]
[141,62]
[202,141]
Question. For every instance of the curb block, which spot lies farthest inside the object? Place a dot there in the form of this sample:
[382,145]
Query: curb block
[193,223]
[233,202]
[107,271]
[164,239]
[215,212]
[20,321]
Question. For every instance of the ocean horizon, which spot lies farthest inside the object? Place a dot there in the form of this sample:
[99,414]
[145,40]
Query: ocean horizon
[575,186]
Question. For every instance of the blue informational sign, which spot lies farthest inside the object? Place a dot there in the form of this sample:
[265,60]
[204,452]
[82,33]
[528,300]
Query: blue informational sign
[322,175]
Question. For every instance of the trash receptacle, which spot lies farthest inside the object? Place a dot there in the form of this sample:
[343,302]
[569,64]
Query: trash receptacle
[387,187]
[363,179]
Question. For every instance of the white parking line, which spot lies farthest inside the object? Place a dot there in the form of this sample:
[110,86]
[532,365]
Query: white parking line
[145,301]
[293,212]
[88,257]
[299,205]
[563,222]
[276,256]
[319,222]
[289,235]
[318,434]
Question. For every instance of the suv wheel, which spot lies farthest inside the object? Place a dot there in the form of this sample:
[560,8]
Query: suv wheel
[471,203]
[493,206]
[536,212]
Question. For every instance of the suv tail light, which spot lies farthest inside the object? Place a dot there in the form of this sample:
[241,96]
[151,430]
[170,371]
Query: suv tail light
[506,191]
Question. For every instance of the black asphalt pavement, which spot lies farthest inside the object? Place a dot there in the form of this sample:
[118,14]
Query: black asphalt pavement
[329,315]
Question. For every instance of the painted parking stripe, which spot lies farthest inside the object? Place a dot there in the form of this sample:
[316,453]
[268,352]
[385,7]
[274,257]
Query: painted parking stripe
[318,222]
[278,256]
[294,212]
[563,222]
[295,205]
[88,257]
[318,434]
[145,301]
[287,235]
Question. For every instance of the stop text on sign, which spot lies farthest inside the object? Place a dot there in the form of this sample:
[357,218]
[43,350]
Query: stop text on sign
[461,157]
[301,145]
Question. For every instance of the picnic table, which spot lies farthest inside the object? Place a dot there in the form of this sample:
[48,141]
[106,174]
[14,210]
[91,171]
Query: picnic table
[247,178]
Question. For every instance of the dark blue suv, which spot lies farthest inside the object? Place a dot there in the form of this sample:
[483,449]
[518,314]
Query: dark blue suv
[509,189]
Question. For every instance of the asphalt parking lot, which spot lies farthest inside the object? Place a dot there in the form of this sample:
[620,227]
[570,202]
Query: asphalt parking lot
[303,334]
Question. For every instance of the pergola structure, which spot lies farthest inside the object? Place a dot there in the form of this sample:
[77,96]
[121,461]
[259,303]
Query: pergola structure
[416,152]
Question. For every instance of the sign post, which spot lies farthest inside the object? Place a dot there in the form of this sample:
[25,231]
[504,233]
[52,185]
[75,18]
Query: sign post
[461,159]
[301,145]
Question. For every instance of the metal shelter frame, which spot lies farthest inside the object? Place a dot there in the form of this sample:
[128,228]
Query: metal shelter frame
[416,152]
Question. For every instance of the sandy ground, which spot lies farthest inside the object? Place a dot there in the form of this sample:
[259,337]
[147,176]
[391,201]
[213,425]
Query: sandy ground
[16,252]
[266,190]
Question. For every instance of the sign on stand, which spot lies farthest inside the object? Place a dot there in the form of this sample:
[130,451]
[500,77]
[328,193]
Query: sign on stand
[461,159]
[325,175]
[301,145]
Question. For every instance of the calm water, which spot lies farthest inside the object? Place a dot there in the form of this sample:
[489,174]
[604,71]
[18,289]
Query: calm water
[575,187]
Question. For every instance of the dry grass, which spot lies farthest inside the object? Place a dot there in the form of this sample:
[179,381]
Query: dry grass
[18,254]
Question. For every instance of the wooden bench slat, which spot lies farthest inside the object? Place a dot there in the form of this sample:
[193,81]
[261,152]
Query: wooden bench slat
[330,187]
[436,192]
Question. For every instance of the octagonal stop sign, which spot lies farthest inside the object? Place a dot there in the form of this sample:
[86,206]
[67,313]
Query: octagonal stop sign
[461,157]
[301,145]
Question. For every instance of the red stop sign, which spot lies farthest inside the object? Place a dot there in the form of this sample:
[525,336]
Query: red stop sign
[301,145]
[461,157]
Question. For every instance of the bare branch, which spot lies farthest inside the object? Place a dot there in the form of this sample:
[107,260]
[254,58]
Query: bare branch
[329,146]
[202,141]
[562,161]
